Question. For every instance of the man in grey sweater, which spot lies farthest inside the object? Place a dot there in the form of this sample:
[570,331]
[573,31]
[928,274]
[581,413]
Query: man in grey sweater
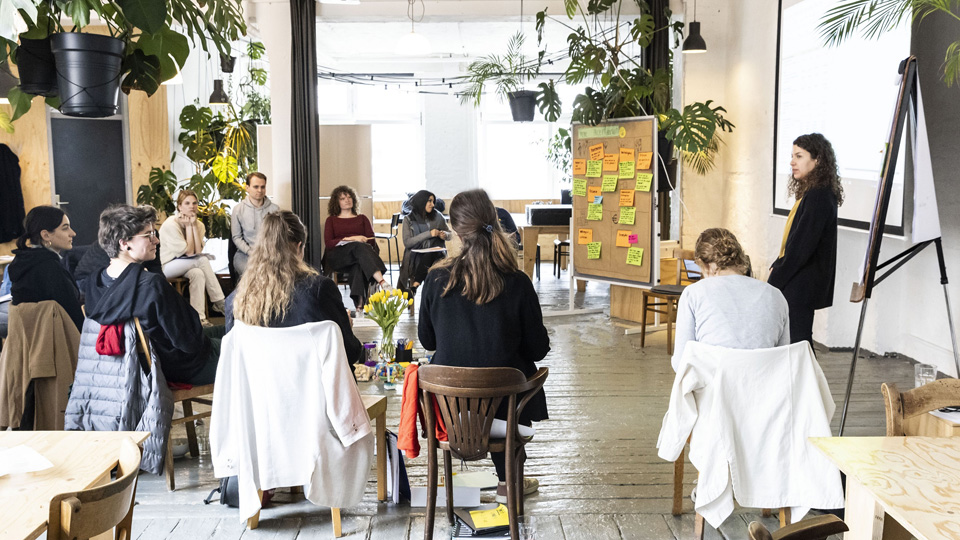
[247,216]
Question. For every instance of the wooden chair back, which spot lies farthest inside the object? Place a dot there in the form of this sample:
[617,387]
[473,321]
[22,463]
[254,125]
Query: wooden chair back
[929,397]
[87,513]
[468,399]
[685,275]
[816,528]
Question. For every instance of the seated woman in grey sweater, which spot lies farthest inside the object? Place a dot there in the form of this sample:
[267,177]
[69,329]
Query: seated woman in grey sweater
[424,228]
[727,308]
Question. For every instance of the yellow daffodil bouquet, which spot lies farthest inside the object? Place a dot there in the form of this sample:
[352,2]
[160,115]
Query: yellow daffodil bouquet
[385,308]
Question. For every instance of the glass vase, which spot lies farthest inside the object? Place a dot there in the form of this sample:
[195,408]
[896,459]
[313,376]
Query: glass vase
[388,348]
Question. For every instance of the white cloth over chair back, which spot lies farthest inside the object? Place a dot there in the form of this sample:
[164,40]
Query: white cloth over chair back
[750,413]
[287,412]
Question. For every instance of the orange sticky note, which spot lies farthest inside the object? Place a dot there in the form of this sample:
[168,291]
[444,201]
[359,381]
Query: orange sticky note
[643,160]
[626,154]
[623,238]
[596,152]
[579,166]
[626,197]
[611,162]
[592,191]
[584,236]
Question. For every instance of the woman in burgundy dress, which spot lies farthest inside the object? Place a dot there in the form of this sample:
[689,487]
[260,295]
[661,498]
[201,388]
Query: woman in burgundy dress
[350,246]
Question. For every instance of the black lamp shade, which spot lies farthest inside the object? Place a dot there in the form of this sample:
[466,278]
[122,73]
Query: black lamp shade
[219,97]
[694,42]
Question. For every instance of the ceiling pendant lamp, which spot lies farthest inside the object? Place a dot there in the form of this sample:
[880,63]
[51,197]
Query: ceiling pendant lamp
[413,44]
[219,97]
[694,42]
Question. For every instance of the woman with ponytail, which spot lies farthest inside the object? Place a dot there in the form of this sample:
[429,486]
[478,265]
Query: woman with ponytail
[478,309]
[279,290]
[727,308]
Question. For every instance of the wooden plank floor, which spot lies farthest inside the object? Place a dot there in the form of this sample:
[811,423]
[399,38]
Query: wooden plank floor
[600,477]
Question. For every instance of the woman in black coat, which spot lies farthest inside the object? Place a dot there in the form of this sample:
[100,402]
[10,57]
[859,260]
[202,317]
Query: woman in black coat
[805,269]
[479,310]
[37,273]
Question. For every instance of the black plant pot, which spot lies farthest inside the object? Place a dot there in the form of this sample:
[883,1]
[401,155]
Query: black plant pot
[227,63]
[35,65]
[522,105]
[566,197]
[88,73]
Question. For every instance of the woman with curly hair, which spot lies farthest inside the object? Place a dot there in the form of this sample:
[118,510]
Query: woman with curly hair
[805,268]
[349,244]
[728,308]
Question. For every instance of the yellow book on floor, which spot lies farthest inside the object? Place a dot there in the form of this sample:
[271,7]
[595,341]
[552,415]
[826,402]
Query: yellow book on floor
[487,519]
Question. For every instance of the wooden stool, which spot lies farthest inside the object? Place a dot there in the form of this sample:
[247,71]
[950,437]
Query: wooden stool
[179,284]
[561,249]
[665,303]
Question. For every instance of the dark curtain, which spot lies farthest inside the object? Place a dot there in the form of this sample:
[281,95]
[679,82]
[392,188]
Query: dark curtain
[11,195]
[657,56]
[305,125]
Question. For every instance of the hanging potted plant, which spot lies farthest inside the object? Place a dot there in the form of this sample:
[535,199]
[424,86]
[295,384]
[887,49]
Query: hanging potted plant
[508,74]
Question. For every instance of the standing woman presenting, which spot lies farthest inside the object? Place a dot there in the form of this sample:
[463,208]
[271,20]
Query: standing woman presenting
[805,269]
[425,227]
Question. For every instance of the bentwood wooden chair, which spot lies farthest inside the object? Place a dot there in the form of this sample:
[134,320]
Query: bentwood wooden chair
[468,399]
[88,513]
[901,406]
[816,528]
[186,397]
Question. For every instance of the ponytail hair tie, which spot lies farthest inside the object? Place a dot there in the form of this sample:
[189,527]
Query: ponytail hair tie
[488,228]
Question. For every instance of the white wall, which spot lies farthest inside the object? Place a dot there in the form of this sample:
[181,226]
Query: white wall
[907,313]
[450,141]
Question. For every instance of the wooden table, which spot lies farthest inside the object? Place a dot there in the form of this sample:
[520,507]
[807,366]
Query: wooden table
[898,487]
[377,409]
[929,425]
[81,460]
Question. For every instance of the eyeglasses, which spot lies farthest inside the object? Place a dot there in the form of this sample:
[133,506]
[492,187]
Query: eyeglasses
[151,234]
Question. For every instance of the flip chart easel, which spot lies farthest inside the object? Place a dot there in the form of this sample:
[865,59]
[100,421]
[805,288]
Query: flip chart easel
[908,100]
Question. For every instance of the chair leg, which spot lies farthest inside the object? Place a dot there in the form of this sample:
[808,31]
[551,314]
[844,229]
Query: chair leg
[765,512]
[168,466]
[512,471]
[431,510]
[448,484]
[520,461]
[698,527]
[678,485]
[643,319]
[254,521]
[784,517]
[337,529]
[191,429]
[670,312]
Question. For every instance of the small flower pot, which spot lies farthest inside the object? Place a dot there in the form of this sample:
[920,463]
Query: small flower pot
[36,67]
[523,103]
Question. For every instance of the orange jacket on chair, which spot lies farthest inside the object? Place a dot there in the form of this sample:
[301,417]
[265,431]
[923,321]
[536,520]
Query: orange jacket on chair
[407,439]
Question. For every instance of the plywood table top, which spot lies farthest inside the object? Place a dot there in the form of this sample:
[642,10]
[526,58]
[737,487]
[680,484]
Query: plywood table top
[80,460]
[916,480]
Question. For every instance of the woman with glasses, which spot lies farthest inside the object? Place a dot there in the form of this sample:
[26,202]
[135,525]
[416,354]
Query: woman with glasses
[123,290]
[181,252]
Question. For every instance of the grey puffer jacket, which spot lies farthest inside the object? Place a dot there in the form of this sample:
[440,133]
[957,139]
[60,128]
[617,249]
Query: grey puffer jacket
[114,393]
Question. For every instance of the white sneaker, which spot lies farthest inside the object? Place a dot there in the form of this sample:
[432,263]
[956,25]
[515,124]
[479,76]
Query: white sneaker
[530,486]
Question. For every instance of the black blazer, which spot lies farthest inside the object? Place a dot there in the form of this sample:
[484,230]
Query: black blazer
[806,272]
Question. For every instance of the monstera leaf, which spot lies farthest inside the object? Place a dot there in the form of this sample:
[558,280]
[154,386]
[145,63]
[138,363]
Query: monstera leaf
[692,129]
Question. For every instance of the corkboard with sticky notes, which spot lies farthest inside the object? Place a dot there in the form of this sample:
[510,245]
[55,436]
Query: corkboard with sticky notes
[614,238]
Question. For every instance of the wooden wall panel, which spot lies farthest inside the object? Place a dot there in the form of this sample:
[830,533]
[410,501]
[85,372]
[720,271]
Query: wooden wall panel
[29,143]
[149,137]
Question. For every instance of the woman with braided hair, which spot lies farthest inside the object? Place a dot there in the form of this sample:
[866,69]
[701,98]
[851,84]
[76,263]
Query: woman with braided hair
[727,308]
[478,309]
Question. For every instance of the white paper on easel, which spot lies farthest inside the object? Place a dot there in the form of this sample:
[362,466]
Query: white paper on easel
[926,217]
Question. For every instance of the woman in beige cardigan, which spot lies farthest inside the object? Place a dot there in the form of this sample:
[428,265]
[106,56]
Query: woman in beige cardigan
[181,253]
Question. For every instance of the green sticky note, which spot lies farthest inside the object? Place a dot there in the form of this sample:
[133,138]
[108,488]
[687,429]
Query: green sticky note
[626,169]
[609,183]
[594,168]
[644,180]
[635,256]
[580,187]
[628,215]
[593,250]
[594,212]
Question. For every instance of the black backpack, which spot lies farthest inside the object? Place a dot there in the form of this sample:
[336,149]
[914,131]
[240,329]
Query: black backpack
[229,492]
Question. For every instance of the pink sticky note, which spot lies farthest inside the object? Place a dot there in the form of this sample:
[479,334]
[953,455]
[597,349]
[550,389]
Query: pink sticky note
[633,239]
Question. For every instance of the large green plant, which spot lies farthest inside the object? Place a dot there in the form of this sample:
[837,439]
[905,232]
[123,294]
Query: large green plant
[507,73]
[256,106]
[619,86]
[220,146]
[874,17]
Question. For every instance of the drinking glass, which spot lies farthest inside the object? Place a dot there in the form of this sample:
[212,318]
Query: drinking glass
[528,530]
[924,374]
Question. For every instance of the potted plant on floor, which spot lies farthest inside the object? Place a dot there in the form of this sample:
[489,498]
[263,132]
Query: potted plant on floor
[507,74]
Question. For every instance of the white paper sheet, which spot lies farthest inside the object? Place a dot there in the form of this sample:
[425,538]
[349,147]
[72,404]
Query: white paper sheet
[22,459]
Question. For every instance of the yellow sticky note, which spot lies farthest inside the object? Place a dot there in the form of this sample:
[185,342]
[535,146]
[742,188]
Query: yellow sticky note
[623,238]
[610,162]
[609,182]
[594,212]
[592,191]
[580,186]
[626,154]
[628,215]
[596,152]
[593,250]
[644,180]
[497,517]
[584,236]
[626,169]
[579,166]
[626,197]
[594,168]
[643,160]
[635,256]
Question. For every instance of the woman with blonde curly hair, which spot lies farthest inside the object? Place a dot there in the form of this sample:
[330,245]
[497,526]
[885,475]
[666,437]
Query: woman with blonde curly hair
[279,290]
[727,308]
[349,244]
